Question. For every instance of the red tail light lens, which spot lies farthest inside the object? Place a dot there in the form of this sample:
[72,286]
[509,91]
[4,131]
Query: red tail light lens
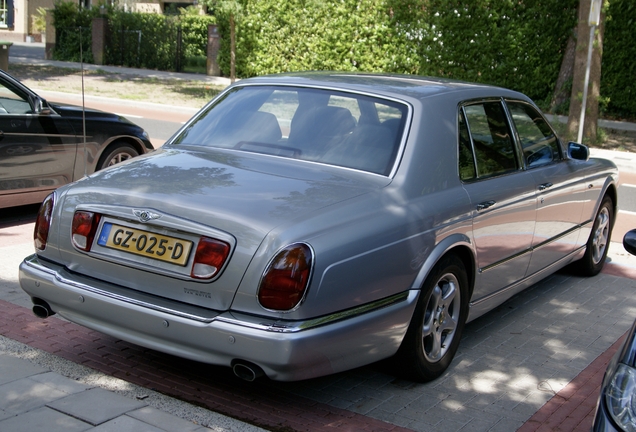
[209,258]
[286,279]
[43,222]
[84,228]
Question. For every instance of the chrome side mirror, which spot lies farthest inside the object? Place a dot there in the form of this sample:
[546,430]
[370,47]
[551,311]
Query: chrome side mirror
[578,151]
[40,106]
[629,242]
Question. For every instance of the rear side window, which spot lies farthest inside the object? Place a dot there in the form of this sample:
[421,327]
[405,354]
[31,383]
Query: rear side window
[486,138]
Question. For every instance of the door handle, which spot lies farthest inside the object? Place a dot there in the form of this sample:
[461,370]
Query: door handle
[545,186]
[486,204]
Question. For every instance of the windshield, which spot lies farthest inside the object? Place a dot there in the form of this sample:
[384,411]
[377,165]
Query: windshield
[326,126]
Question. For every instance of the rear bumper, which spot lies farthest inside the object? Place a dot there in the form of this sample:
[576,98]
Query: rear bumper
[286,351]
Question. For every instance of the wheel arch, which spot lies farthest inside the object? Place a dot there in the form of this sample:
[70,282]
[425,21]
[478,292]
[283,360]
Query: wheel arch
[456,244]
[135,142]
[612,191]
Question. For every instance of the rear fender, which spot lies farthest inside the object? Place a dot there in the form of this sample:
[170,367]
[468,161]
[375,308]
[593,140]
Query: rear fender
[465,249]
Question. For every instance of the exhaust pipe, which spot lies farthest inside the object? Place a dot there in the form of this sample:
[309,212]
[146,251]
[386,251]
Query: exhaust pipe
[41,309]
[246,370]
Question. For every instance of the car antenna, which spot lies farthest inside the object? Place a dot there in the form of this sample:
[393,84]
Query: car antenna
[83,104]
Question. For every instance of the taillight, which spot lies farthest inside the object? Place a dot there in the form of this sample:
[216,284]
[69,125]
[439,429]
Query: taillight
[209,258]
[83,230]
[43,222]
[286,278]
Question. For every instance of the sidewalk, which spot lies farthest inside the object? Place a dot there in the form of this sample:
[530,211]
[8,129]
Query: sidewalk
[32,397]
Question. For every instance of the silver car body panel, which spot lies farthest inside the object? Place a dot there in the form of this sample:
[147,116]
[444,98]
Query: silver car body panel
[375,237]
[286,351]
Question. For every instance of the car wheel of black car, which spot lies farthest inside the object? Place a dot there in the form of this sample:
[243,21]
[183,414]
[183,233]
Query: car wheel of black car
[115,154]
[435,330]
[598,243]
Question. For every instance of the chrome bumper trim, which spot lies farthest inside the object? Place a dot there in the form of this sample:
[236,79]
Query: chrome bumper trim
[208,316]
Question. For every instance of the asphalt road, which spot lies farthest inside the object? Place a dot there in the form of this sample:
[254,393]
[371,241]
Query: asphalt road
[27,50]
[161,123]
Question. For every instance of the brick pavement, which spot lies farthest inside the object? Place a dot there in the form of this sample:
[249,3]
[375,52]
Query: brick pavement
[204,385]
[533,363]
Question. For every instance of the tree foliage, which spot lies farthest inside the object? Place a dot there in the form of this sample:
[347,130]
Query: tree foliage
[512,43]
[73,32]
[136,39]
[618,91]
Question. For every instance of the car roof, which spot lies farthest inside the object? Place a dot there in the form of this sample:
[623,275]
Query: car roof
[414,86]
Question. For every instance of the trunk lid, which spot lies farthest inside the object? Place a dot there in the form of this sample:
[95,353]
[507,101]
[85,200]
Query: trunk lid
[231,196]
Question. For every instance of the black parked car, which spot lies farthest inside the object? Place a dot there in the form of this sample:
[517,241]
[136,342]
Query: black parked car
[616,408]
[42,144]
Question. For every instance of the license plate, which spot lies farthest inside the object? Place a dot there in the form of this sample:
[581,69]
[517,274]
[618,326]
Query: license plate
[144,243]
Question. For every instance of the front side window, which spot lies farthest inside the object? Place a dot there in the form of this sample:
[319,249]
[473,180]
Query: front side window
[538,141]
[484,131]
[337,128]
[13,101]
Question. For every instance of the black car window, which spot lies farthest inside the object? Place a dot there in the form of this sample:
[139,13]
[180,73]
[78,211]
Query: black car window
[538,141]
[319,125]
[12,102]
[492,142]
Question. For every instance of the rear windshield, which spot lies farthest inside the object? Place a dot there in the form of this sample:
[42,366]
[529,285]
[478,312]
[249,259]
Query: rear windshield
[336,128]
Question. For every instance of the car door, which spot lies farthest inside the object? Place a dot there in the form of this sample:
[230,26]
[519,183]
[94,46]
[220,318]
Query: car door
[37,149]
[503,196]
[560,189]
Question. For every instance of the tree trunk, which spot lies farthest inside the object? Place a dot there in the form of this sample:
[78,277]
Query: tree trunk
[561,92]
[578,79]
[232,49]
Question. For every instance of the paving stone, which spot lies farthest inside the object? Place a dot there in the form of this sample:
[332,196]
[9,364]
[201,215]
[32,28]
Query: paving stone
[13,368]
[506,425]
[95,406]
[60,382]
[26,394]
[126,424]
[162,420]
[43,419]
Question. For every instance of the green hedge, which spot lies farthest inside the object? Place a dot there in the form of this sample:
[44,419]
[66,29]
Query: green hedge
[511,43]
[73,25]
[618,71]
[135,39]
[504,42]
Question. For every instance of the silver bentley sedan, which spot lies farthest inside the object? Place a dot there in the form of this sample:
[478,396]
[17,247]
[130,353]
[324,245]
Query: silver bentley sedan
[305,224]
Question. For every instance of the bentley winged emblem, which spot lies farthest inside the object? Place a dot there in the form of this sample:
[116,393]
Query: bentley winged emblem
[145,215]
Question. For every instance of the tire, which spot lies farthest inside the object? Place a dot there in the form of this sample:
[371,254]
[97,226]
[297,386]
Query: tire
[436,327]
[116,153]
[598,244]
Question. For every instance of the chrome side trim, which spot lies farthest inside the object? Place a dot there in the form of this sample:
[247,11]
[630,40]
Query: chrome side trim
[533,248]
[525,281]
[280,326]
[232,318]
